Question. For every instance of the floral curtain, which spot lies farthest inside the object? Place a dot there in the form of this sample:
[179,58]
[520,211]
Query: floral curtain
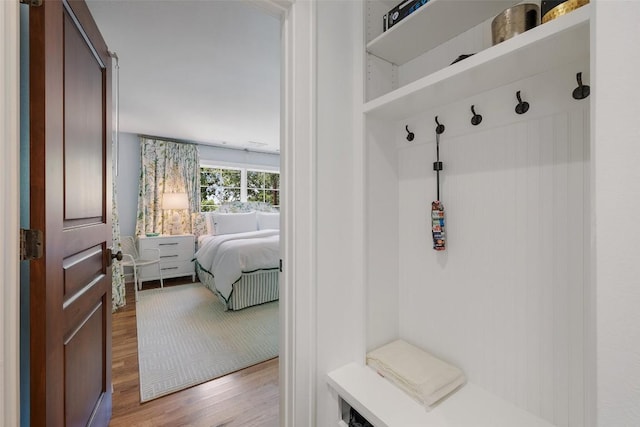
[167,167]
[117,271]
[118,290]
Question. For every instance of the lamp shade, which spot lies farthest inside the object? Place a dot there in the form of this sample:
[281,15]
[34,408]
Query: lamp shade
[175,201]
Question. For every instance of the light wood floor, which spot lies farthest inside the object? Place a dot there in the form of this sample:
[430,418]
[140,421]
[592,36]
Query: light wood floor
[248,398]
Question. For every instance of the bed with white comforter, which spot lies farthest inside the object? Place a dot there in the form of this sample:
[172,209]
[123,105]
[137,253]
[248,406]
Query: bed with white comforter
[245,264]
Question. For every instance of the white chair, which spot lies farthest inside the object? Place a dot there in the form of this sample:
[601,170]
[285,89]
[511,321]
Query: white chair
[131,258]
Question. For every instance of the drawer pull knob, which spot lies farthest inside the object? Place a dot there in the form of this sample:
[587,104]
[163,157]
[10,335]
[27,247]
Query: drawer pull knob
[168,244]
[170,268]
[168,256]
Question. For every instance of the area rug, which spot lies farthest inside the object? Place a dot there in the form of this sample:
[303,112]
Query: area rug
[186,338]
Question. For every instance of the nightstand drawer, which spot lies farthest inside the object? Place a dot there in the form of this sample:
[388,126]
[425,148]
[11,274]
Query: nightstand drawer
[181,250]
[170,246]
[169,269]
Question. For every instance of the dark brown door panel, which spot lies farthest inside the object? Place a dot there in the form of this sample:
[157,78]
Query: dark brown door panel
[70,173]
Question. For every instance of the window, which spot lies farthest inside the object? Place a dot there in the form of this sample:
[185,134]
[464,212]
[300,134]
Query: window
[263,187]
[219,185]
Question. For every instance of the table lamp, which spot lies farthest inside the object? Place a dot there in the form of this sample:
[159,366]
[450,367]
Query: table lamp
[174,202]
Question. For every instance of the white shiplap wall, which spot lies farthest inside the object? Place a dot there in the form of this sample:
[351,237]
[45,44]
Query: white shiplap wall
[505,302]
[381,239]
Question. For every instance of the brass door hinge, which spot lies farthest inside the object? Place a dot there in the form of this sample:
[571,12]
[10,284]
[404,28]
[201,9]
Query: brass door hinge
[34,3]
[31,244]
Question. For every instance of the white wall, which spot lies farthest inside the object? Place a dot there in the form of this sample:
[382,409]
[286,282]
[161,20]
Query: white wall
[129,173]
[127,182]
[616,145]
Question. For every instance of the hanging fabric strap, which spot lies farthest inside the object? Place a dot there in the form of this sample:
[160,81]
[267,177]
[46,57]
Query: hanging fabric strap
[437,225]
[437,209]
[437,165]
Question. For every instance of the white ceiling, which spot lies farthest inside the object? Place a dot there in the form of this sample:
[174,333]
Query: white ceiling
[206,71]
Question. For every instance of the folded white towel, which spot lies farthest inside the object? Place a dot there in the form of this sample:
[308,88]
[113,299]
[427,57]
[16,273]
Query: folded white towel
[420,374]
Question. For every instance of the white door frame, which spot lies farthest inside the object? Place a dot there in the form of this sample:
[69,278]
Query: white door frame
[298,172]
[10,208]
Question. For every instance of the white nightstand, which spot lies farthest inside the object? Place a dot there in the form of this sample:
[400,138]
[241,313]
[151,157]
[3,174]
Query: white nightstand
[176,253]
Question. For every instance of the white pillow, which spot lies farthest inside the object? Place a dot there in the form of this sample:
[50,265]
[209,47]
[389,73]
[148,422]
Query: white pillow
[268,220]
[230,223]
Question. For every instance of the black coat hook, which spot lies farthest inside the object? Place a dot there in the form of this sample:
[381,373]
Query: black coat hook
[439,128]
[582,91]
[410,135]
[477,118]
[522,106]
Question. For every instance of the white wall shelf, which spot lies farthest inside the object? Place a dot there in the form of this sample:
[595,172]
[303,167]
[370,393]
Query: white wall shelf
[385,405]
[432,24]
[540,49]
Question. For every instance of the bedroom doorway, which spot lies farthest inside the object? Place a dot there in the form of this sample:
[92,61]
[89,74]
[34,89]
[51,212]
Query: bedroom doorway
[281,12]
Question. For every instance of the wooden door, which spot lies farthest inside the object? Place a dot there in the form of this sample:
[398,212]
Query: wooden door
[70,307]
